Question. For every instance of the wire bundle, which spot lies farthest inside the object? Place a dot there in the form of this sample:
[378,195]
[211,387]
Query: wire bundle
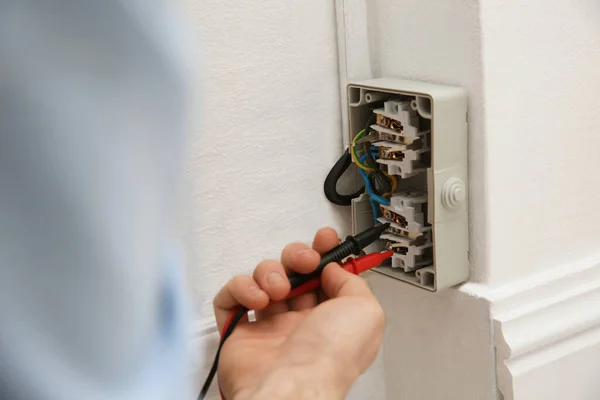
[379,185]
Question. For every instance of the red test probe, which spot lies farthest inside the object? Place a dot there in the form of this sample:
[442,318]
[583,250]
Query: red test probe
[353,265]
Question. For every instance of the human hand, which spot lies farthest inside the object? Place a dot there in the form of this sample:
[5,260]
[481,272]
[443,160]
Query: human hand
[313,346]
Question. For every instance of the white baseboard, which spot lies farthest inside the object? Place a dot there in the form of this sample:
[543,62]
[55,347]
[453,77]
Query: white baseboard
[547,334]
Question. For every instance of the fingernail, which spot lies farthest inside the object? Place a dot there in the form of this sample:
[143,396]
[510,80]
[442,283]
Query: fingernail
[303,251]
[274,278]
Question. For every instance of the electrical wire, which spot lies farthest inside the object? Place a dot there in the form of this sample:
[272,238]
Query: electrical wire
[232,320]
[374,199]
[330,185]
[366,163]
[379,185]
[355,156]
[394,184]
[391,177]
[369,188]
[367,129]
[374,209]
[382,180]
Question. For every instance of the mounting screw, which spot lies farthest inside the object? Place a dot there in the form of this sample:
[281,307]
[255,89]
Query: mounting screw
[453,193]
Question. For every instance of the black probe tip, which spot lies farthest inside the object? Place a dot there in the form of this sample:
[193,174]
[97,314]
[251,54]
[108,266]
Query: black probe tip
[352,245]
[382,226]
[370,235]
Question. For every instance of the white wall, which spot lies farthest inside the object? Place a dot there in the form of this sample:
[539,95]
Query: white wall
[542,122]
[268,131]
[542,85]
[268,134]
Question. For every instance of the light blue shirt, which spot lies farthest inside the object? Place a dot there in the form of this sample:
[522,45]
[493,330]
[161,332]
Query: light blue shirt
[93,103]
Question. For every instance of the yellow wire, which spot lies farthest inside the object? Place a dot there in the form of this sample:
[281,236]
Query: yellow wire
[364,167]
[394,184]
[353,152]
[358,164]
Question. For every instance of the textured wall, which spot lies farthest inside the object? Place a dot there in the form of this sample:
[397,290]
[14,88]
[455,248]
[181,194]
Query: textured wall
[541,63]
[268,132]
[543,118]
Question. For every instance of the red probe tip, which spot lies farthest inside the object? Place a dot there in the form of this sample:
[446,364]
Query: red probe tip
[364,263]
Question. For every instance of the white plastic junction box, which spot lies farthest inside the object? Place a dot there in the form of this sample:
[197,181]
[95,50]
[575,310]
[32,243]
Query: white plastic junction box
[420,136]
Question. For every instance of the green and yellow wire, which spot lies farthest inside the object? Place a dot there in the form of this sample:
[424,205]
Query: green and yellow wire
[360,165]
[355,156]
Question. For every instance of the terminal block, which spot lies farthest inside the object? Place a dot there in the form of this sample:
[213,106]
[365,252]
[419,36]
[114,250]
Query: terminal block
[415,132]
[409,234]
[397,121]
[407,210]
[403,160]
[409,254]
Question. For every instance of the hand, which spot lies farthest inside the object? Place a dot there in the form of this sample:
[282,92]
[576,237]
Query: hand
[313,346]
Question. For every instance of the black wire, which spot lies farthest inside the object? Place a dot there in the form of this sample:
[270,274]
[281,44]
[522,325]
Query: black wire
[380,182]
[215,365]
[330,185]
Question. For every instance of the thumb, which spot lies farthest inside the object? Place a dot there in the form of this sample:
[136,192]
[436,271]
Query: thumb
[337,282]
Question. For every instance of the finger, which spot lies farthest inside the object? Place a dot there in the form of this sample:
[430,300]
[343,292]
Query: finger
[241,290]
[337,282]
[325,240]
[277,308]
[299,258]
[303,302]
[321,296]
[271,277]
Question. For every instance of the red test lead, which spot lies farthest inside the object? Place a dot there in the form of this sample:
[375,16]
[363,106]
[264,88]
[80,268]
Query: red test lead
[352,265]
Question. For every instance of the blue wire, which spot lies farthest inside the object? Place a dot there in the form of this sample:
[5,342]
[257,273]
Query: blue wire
[369,190]
[373,198]
[375,212]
